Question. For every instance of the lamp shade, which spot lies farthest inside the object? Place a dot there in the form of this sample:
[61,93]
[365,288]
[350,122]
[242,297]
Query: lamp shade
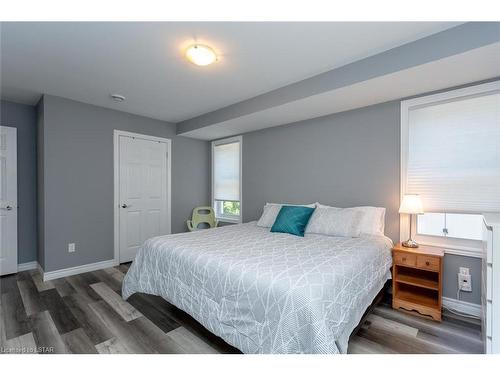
[411,204]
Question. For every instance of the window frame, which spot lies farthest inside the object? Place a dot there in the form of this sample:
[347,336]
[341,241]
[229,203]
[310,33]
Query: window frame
[227,218]
[465,247]
[451,245]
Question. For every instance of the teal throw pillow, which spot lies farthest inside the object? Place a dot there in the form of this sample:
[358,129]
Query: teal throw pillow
[292,220]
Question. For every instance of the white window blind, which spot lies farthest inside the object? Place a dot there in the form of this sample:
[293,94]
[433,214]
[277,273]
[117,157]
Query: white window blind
[226,174]
[454,154]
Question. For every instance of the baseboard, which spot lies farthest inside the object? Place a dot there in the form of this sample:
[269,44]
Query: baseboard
[76,270]
[463,307]
[27,266]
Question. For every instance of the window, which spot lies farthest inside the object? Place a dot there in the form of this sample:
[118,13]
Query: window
[226,179]
[450,156]
[464,226]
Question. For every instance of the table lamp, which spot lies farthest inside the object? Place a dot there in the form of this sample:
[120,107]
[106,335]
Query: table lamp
[412,205]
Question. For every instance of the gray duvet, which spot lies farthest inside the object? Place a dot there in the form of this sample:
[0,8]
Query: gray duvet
[266,292]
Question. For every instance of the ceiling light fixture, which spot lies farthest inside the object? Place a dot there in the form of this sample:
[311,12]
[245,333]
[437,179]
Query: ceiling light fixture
[117,98]
[201,55]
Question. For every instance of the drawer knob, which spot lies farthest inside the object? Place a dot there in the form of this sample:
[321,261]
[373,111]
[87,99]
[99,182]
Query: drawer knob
[404,259]
[427,263]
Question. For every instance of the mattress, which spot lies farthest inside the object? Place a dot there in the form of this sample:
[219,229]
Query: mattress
[266,292]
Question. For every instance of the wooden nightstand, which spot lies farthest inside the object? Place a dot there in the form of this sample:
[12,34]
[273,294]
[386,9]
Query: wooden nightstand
[417,278]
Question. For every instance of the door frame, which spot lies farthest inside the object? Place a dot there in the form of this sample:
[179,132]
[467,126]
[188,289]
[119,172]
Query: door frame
[116,172]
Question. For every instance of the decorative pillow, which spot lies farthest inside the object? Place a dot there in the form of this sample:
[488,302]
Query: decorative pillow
[292,220]
[270,213]
[373,220]
[332,221]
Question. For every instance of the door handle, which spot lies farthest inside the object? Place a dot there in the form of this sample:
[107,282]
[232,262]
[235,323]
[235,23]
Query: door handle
[8,208]
[124,205]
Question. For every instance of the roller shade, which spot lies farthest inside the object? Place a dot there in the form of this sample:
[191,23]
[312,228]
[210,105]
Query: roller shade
[227,172]
[454,155]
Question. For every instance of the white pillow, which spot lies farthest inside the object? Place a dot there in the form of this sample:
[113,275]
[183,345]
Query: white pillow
[332,221]
[373,222]
[271,211]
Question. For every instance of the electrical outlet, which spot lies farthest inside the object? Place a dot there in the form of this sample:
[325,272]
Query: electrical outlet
[71,248]
[464,282]
[464,271]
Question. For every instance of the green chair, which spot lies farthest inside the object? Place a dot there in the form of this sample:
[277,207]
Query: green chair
[202,215]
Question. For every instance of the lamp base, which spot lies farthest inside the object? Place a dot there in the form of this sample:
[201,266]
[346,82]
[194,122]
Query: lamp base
[409,243]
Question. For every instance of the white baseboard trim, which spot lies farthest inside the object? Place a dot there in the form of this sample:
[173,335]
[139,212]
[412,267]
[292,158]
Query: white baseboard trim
[78,269]
[463,307]
[27,266]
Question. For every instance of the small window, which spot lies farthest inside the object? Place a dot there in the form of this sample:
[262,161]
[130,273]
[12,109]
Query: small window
[227,209]
[226,179]
[463,226]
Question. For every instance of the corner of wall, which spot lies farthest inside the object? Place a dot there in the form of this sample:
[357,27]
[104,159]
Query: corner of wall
[40,151]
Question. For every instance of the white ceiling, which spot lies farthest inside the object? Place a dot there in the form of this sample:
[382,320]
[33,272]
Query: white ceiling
[144,62]
[471,66]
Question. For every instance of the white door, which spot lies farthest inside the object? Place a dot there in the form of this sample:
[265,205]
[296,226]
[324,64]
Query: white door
[143,192]
[8,200]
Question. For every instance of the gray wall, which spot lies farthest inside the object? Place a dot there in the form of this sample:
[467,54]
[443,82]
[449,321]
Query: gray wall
[78,178]
[346,159]
[23,117]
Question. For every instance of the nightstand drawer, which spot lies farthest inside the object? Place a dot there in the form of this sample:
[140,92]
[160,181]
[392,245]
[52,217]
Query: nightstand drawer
[405,259]
[428,263]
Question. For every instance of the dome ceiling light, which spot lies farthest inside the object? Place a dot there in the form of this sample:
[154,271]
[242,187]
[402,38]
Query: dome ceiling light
[201,55]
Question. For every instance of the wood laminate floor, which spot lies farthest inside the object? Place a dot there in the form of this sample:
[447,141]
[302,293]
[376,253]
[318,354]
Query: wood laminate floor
[86,314]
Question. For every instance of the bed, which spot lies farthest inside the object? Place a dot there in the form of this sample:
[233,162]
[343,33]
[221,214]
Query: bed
[266,292]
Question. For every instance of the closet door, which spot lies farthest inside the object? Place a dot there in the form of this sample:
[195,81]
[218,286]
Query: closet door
[143,193]
[8,200]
